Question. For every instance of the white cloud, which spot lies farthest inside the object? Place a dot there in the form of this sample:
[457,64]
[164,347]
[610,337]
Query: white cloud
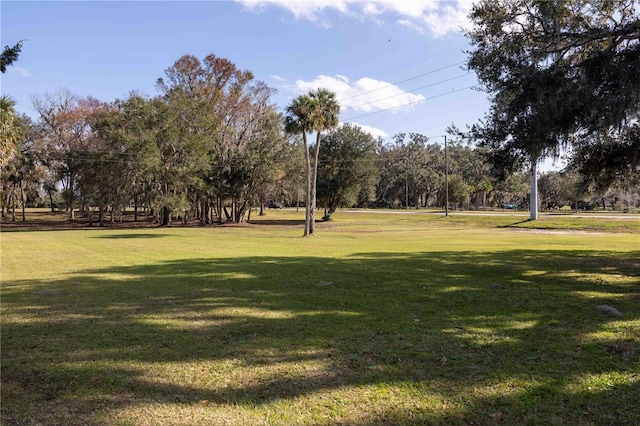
[22,72]
[374,131]
[363,95]
[436,16]
[447,19]
[278,78]
[309,10]
[412,25]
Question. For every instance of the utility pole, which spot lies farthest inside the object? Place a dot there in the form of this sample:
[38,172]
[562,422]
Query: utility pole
[446,178]
[533,197]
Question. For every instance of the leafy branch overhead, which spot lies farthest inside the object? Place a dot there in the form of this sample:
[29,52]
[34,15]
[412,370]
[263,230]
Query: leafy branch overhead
[558,73]
[10,55]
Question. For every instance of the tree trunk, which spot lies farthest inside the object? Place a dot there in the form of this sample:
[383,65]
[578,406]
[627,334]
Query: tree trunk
[135,208]
[166,216]
[23,202]
[312,217]
[13,202]
[72,214]
[234,210]
[241,210]
[533,197]
[227,215]
[307,194]
[208,219]
[219,209]
[51,199]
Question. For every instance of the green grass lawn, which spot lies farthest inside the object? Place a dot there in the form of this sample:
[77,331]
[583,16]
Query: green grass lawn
[382,319]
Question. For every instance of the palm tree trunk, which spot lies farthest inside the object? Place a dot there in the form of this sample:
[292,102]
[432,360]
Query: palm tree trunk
[307,193]
[312,219]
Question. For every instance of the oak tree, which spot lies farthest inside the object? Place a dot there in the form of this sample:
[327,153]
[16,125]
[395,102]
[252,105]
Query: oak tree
[557,71]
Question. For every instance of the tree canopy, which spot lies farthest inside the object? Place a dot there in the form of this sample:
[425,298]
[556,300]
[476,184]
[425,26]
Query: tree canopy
[558,72]
[210,146]
[10,130]
[9,55]
[347,166]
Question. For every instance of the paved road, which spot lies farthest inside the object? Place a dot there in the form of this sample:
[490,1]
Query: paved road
[521,213]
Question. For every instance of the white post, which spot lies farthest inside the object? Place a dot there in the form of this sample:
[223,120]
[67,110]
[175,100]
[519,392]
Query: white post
[446,178]
[533,197]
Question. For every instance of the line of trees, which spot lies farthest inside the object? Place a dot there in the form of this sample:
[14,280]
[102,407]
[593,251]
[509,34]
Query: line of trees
[211,146]
[561,75]
[96,158]
[205,147]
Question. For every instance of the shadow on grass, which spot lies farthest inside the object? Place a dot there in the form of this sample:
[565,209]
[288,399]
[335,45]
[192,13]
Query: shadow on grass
[511,225]
[515,323]
[277,222]
[131,236]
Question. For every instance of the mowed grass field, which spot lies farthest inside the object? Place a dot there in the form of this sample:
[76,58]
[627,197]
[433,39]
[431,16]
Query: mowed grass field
[381,319]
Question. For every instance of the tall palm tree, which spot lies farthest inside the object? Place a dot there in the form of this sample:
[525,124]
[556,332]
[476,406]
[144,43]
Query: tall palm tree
[10,130]
[313,112]
[326,118]
[299,118]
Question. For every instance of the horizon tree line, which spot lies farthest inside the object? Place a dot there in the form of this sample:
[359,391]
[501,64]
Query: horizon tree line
[182,155]
[212,146]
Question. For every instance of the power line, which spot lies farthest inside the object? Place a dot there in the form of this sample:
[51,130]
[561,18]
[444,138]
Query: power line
[417,60]
[409,103]
[402,81]
[408,91]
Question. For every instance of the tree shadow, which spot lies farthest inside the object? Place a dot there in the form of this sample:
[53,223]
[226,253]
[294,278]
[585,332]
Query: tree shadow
[511,225]
[277,222]
[131,236]
[443,321]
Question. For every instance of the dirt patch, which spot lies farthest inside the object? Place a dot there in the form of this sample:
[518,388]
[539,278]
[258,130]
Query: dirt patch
[557,231]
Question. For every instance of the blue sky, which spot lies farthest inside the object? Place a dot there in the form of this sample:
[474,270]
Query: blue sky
[396,66]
